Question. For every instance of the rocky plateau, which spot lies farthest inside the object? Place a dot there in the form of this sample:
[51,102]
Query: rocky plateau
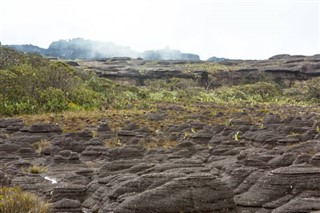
[240,166]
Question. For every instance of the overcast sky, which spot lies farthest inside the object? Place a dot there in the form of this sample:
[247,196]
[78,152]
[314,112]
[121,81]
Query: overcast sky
[254,29]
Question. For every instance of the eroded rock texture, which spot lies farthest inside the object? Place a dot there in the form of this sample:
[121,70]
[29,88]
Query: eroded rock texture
[268,167]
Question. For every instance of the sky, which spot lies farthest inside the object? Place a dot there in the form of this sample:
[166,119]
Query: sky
[237,29]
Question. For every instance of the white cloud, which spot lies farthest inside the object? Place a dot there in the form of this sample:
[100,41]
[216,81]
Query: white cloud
[235,29]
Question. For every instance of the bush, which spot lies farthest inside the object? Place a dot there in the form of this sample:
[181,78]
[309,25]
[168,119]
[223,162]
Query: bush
[32,84]
[313,87]
[53,100]
[37,169]
[85,96]
[305,90]
[261,91]
[15,200]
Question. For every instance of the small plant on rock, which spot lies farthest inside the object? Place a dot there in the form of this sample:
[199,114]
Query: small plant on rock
[236,136]
[41,145]
[37,169]
[113,142]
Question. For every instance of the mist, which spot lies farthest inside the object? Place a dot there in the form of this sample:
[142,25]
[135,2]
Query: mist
[254,29]
[79,48]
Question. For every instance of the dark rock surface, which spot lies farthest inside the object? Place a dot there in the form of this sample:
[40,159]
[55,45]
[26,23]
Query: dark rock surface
[209,170]
[285,68]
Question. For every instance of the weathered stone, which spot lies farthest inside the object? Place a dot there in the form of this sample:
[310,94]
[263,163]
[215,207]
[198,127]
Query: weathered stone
[7,122]
[201,193]
[271,119]
[278,183]
[69,191]
[44,128]
[283,160]
[315,160]
[311,204]
[66,205]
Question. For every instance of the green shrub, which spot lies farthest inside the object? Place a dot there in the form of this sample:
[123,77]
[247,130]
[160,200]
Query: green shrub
[32,84]
[261,91]
[305,90]
[313,87]
[53,100]
[13,199]
[85,96]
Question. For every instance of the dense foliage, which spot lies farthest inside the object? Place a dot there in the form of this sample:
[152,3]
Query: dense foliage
[31,84]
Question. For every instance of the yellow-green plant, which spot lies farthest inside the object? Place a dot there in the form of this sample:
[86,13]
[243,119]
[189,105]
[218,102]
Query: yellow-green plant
[236,136]
[113,142]
[37,169]
[13,199]
[39,146]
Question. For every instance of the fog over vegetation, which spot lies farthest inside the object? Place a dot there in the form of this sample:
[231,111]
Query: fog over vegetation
[79,48]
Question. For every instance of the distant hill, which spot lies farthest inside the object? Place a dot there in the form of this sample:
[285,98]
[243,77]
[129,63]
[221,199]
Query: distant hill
[29,48]
[215,59]
[79,48]
[169,54]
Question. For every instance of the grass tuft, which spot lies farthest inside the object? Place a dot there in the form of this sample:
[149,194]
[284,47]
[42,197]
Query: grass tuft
[13,199]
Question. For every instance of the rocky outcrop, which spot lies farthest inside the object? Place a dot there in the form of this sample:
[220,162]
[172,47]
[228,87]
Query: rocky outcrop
[117,70]
[240,166]
[279,68]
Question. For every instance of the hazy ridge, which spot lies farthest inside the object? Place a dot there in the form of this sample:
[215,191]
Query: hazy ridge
[79,48]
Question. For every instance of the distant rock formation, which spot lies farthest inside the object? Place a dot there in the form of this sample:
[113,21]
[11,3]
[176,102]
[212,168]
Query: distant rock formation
[79,48]
[169,54]
[216,59]
[29,48]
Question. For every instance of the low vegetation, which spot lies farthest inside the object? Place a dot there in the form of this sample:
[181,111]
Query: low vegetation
[31,84]
[13,199]
[37,169]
